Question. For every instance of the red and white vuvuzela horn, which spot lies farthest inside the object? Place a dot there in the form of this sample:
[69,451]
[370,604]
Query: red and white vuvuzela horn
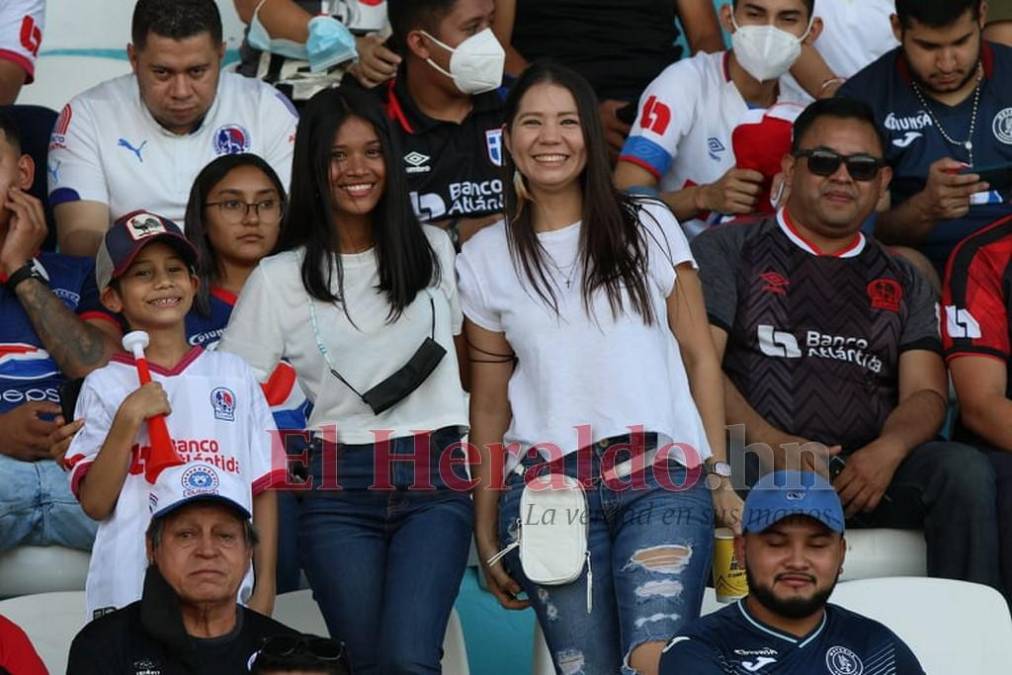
[163,454]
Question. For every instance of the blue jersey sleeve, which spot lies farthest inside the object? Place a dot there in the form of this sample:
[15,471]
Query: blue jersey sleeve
[685,655]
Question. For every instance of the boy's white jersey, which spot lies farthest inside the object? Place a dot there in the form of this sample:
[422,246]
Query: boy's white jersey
[219,416]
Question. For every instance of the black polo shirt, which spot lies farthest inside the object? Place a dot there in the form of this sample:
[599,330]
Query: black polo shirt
[148,637]
[454,170]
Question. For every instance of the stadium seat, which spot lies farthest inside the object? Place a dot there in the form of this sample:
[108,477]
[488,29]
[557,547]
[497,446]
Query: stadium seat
[51,621]
[27,570]
[952,626]
[298,610]
[884,553]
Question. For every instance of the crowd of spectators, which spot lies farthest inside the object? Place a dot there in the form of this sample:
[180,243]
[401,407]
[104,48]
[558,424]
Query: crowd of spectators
[619,246]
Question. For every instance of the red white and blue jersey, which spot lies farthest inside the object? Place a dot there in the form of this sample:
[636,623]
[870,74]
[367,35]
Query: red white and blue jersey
[915,142]
[682,134]
[21,25]
[288,403]
[27,372]
[733,642]
[219,416]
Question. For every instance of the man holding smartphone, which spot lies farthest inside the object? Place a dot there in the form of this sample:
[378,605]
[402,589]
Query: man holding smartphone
[830,345]
[52,327]
[943,100]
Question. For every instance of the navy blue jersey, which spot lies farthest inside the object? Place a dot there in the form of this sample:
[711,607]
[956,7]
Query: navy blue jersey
[914,141]
[27,372]
[205,331]
[288,403]
[733,642]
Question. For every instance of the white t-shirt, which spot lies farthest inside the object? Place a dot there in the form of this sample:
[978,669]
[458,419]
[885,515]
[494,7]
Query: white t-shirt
[272,321]
[854,34]
[682,134]
[219,416]
[574,369]
[106,147]
[21,25]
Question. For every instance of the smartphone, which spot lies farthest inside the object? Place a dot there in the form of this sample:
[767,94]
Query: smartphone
[836,465]
[998,176]
[69,391]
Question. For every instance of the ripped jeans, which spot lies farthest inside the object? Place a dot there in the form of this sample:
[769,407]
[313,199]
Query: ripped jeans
[650,548]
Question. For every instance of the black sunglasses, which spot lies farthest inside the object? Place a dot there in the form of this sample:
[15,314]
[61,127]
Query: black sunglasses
[317,647]
[823,162]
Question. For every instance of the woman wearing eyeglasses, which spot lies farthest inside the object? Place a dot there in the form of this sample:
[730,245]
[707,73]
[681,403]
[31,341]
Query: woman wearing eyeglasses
[362,301]
[233,219]
[591,357]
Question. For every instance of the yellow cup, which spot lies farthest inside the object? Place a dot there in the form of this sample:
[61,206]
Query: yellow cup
[728,576]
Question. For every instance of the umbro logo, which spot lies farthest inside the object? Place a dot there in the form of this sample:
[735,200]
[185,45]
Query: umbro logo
[775,283]
[417,162]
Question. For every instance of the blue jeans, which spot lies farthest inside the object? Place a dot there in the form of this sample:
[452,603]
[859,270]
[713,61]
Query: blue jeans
[37,507]
[650,549]
[385,565]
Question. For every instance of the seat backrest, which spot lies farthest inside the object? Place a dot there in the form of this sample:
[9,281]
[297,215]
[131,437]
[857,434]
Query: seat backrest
[36,124]
[51,620]
[952,626]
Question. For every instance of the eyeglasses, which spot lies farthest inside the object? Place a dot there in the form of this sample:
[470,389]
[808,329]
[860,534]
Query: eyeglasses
[311,645]
[235,209]
[823,162]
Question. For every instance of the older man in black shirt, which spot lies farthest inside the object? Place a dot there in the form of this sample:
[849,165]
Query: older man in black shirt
[200,546]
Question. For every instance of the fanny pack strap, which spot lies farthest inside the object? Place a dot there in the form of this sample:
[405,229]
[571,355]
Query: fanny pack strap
[326,355]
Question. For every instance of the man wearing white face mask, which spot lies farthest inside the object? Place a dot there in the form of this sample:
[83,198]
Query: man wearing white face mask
[445,104]
[680,146]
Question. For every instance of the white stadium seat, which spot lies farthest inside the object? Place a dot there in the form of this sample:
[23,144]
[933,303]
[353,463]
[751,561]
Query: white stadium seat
[51,621]
[27,570]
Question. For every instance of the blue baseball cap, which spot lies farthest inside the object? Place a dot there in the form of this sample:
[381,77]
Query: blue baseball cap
[131,233]
[782,494]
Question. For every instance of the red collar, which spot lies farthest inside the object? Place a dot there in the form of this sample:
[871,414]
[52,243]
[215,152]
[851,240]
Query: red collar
[188,358]
[228,297]
[791,230]
[394,109]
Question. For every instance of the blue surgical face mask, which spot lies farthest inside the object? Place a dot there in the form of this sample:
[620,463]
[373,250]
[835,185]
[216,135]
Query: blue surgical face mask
[259,38]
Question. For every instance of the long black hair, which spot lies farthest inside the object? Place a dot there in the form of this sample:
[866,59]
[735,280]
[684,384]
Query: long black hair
[208,266]
[612,248]
[407,263]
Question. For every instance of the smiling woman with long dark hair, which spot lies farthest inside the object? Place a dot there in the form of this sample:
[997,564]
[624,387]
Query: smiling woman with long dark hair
[591,355]
[362,301]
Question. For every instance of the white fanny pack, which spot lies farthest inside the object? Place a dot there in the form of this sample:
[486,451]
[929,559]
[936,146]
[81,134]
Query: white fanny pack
[552,532]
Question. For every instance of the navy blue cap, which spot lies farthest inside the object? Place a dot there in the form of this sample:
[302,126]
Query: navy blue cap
[128,235]
[782,494]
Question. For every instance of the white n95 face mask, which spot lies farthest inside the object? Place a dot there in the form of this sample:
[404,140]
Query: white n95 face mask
[766,52]
[476,65]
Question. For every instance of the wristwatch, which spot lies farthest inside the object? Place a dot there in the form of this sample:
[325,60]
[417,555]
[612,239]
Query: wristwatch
[32,269]
[715,468]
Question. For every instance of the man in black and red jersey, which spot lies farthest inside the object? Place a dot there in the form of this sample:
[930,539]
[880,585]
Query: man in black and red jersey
[830,341]
[446,106]
[976,328]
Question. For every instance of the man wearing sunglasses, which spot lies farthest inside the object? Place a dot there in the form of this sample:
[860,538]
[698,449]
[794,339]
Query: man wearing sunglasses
[830,349]
[200,547]
[944,101]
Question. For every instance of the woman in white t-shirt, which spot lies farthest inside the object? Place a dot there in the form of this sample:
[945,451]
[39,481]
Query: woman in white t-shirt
[362,302]
[591,356]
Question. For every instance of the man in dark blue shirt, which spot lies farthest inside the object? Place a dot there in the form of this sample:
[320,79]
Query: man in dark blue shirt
[792,548]
[943,99]
[52,327]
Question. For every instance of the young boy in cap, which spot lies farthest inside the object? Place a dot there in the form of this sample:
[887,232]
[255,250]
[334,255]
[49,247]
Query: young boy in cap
[792,548]
[215,413]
